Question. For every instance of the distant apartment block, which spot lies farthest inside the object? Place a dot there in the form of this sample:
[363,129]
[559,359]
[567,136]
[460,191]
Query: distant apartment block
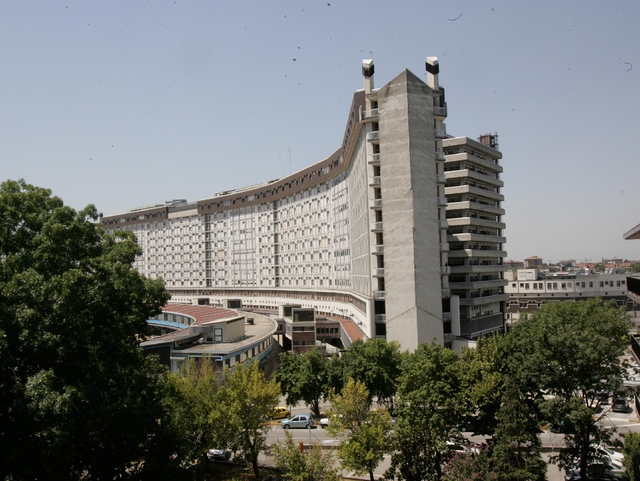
[397,234]
[529,289]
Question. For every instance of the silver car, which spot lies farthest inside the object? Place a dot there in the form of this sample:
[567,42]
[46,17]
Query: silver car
[298,421]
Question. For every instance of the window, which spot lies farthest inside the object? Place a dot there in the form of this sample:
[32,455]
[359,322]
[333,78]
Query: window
[555,286]
[548,285]
[217,335]
[564,285]
[526,286]
[601,284]
[591,284]
[535,286]
[617,283]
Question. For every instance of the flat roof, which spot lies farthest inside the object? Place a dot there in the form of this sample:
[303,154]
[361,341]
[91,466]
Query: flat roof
[262,327]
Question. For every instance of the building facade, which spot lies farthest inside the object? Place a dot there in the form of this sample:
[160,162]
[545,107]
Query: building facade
[529,289]
[363,236]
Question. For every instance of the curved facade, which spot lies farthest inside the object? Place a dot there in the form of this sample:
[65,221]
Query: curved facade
[361,235]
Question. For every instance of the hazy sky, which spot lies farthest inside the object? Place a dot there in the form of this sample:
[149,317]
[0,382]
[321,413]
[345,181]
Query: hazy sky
[129,103]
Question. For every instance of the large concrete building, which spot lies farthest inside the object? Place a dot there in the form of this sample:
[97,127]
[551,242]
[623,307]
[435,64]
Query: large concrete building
[398,231]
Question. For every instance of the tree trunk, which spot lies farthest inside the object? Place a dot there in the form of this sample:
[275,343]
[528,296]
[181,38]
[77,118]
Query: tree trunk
[254,462]
[371,478]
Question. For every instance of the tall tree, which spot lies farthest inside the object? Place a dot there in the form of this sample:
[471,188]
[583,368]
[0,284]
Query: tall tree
[74,386]
[376,363]
[428,411]
[245,402]
[570,351]
[315,464]
[364,433]
[304,378]
[193,419]
[631,451]
[482,384]
[516,445]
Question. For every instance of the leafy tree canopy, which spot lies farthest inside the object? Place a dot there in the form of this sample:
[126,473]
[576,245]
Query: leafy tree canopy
[244,404]
[375,363]
[304,378]
[315,464]
[428,410]
[364,433]
[74,387]
[570,351]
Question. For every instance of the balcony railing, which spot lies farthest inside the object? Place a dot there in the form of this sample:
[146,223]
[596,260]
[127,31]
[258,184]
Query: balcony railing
[369,114]
[379,294]
[439,155]
[440,111]
[441,179]
[374,181]
[373,136]
[378,272]
[376,227]
[380,318]
[443,224]
[444,247]
[379,249]
[442,201]
[375,203]
[375,159]
[445,270]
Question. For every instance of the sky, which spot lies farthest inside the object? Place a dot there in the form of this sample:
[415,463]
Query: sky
[130,103]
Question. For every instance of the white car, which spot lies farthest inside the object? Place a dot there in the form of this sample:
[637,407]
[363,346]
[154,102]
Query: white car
[324,422]
[615,456]
[218,455]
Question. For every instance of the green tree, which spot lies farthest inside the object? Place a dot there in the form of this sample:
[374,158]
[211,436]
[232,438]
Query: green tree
[304,378]
[376,363]
[635,267]
[299,464]
[428,411]
[516,445]
[364,433]
[193,420]
[631,451]
[74,387]
[599,267]
[570,351]
[245,403]
[482,384]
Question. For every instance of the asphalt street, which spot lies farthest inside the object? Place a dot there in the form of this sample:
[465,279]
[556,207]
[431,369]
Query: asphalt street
[624,422]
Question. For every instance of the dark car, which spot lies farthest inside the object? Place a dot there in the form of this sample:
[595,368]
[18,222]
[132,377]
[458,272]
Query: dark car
[620,405]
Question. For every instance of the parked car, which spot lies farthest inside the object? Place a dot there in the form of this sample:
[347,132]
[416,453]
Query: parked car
[604,397]
[620,405]
[324,422]
[218,455]
[280,412]
[298,421]
[610,454]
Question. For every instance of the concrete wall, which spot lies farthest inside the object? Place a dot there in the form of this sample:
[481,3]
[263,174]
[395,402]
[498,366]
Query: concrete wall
[411,237]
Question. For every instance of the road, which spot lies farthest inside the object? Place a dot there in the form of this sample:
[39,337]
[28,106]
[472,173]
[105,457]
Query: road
[624,422]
